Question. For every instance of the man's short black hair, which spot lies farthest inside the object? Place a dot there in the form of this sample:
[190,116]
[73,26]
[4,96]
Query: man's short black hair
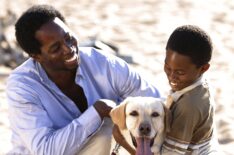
[31,21]
[191,41]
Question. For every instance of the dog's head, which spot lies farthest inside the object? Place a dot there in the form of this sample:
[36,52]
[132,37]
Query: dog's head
[144,117]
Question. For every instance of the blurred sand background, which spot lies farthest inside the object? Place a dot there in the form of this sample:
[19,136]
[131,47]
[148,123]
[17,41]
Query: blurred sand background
[140,28]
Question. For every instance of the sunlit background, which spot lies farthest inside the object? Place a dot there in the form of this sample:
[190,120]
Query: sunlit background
[139,29]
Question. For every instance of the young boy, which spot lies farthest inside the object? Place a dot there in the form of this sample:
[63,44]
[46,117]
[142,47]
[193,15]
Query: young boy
[188,52]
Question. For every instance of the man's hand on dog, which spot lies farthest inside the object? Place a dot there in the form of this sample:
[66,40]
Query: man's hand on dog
[102,108]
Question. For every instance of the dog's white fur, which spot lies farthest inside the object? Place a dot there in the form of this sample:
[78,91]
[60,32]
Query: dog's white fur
[134,111]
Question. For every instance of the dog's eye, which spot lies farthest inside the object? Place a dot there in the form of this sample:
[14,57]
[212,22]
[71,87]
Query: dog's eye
[134,113]
[155,114]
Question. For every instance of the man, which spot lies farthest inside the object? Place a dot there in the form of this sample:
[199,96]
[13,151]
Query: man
[54,97]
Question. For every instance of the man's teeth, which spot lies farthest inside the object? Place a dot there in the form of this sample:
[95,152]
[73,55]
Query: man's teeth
[72,58]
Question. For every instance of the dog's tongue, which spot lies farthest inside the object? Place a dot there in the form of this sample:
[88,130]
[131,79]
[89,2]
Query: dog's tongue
[143,146]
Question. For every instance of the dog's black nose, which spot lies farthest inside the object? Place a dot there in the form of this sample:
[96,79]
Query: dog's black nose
[145,129]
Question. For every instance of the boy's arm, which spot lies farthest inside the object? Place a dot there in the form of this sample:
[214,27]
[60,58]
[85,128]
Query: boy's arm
[121,140]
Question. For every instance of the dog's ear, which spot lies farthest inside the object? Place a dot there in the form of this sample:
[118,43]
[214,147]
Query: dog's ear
[118,115]
[167,118]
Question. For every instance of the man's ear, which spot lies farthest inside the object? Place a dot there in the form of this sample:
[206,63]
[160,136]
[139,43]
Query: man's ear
[36,57]
[118,115]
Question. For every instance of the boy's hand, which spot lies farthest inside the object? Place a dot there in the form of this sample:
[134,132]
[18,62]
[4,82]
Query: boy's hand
[121,140]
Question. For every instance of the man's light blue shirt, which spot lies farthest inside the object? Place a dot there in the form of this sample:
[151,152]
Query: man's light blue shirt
[45,121]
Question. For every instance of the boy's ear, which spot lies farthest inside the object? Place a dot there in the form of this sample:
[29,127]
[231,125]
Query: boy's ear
[205,67]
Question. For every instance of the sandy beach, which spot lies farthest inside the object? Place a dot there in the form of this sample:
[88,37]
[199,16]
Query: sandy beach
[140,29]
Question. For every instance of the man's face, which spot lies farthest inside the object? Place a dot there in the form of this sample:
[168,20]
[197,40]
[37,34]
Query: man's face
[180,70]
[59,50]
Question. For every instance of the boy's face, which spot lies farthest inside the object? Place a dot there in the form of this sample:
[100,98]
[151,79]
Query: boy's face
[180,70]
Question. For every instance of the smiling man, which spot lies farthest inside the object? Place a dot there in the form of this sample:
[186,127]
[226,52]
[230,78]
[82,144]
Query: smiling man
[55,96]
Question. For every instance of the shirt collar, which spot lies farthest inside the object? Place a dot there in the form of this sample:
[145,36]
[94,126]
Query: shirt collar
[42,74]
[177,94]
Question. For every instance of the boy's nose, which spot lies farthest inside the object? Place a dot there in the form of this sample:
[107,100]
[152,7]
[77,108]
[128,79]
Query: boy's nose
[172,75]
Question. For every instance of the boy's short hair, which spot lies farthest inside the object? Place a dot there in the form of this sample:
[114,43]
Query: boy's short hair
[31,21]
[193,42]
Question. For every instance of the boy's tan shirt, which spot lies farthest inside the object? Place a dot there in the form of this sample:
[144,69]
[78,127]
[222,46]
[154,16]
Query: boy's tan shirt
[192,118]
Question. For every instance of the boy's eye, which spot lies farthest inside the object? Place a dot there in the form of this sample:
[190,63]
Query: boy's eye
[180,72]
[176,72]
[167,69]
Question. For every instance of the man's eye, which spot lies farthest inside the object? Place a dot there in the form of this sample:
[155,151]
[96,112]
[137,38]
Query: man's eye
[55,48]
[68,38]
[155,114]
[134,113]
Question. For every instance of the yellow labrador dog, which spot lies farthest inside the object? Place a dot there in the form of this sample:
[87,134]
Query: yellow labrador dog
[141,122]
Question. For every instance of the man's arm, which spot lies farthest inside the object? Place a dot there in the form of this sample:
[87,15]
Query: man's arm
[32,123]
